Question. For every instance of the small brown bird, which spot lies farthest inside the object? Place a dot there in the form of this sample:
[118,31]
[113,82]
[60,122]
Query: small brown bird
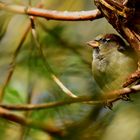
[113,61]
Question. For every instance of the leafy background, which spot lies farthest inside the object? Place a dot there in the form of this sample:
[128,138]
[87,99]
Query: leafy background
[65,49]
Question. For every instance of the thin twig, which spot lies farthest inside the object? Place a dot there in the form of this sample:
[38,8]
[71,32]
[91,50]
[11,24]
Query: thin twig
[13,62]
[124,91]
[47,66]
[24,131]
[26,107]
[53,14]
[132,78]
[109,97]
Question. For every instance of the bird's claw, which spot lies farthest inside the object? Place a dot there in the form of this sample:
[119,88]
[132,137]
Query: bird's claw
[125,97]
[108,104]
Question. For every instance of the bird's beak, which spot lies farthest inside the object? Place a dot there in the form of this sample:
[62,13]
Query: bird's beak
[93,43]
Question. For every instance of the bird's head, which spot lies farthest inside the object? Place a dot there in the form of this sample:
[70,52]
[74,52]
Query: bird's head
[107,42]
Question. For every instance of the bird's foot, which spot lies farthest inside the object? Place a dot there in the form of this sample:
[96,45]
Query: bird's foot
[108,104]
[125,97]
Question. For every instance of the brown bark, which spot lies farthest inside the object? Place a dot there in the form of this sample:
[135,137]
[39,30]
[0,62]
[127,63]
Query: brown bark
[123,15]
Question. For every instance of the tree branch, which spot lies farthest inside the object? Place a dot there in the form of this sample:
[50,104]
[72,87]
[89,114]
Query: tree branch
[26,107]
[124,91]
[108,97]
[52,130]
[52,14]
[132,78]
[12,64]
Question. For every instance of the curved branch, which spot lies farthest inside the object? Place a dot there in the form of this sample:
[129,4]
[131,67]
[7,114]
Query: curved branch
[132,78]
[12,64]
[53,14]
[109,97]
[50,129]
[47,66]
[124,91]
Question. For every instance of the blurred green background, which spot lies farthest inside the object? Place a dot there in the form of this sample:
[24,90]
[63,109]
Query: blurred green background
[65,49]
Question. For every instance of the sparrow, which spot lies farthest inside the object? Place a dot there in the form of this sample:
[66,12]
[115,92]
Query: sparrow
[113,61]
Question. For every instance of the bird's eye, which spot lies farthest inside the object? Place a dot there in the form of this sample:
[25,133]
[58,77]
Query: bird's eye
[105,40]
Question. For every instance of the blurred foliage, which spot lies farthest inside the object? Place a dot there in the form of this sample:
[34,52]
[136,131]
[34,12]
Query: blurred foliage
[65,49]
